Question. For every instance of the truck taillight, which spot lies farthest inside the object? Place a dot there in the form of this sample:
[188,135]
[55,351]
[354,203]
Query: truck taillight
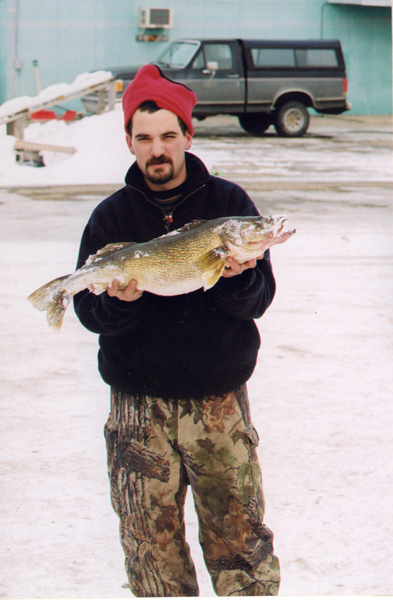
[345,85]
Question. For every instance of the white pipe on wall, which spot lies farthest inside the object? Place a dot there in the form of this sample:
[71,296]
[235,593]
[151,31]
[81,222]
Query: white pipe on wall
[14,65]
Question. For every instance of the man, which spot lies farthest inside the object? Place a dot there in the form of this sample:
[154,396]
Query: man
[177,367]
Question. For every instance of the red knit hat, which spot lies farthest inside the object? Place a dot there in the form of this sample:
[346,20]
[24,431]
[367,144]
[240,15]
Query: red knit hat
[151,84]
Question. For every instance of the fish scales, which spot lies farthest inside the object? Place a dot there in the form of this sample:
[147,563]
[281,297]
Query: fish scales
[179,262]
[166,266]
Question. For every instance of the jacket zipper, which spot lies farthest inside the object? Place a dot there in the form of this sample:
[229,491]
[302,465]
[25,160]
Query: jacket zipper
[168,219]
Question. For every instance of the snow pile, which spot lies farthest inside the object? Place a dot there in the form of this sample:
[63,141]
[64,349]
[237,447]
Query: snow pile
[102,154]
[54,92]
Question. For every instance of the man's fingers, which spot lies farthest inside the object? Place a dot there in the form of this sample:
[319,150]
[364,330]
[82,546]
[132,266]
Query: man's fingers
[233,268]
[234,265]
[114,288]
[129,294]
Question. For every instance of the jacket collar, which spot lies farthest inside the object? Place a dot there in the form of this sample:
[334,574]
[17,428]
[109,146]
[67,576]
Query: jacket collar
[194,165]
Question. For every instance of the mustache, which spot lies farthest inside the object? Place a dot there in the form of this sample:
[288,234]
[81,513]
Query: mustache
[159,160]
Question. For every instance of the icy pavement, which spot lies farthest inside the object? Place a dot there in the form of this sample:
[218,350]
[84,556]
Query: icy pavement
[321,394]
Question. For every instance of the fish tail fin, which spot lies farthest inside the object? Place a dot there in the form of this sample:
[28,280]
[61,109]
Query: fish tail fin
[54,299]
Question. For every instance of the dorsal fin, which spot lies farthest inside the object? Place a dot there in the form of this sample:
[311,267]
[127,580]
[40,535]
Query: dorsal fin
[191,225]
[107,250]
[187,227]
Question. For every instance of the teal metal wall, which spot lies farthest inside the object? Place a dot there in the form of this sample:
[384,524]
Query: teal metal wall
[66,37]
[3,50]
[70,37]
[366,37]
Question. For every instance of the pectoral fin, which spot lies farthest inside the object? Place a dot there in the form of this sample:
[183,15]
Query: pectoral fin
[211,277]
[212,265]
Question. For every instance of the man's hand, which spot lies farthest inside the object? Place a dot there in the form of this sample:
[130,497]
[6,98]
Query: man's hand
[129,294]
[233,268]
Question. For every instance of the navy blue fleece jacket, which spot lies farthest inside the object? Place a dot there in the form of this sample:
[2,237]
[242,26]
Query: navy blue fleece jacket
[186,346]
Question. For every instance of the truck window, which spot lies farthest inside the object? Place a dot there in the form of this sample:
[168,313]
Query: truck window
[219,53]
[290,57]
[199,61]
[273,57]
[324,57]
[178,54]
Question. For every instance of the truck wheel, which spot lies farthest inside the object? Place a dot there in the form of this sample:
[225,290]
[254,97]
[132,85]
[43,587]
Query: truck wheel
[292,119]
[255,123]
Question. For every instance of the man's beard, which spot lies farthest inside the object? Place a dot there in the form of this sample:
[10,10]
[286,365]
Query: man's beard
[159,177]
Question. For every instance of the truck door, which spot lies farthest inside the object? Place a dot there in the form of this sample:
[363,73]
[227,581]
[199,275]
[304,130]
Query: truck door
[216,76]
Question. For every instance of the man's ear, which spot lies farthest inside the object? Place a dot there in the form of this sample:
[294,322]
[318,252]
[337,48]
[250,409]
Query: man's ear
[188,143]
[129,144]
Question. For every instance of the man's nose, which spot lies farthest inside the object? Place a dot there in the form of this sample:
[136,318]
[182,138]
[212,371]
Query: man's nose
[157,148]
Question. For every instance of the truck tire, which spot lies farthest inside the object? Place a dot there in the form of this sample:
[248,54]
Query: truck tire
[255,123]
[292,119]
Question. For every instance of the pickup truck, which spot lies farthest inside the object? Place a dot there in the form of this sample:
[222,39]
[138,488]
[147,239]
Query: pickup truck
[262,82]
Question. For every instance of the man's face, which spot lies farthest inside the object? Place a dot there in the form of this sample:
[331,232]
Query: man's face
[159,145]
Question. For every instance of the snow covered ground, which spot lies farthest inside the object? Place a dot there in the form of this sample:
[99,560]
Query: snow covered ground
[321,394]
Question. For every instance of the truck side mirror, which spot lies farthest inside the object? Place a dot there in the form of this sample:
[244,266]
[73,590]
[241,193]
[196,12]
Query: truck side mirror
[212,65]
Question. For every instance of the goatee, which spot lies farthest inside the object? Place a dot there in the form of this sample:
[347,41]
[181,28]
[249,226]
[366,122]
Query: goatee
[159,177]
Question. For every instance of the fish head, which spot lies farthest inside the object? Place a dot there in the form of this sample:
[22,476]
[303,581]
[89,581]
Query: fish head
[249,237]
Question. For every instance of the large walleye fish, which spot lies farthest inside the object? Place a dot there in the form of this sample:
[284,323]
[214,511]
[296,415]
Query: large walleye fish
[179,262]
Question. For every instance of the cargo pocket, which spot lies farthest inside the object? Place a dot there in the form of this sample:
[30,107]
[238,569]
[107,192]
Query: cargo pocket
[111,432]
[252,435]
[111,429]
[253,439]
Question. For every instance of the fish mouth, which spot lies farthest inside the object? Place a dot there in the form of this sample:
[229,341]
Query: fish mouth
[274,226]
[281,228]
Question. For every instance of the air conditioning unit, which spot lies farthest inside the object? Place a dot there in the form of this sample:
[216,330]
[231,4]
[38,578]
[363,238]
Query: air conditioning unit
[155,18]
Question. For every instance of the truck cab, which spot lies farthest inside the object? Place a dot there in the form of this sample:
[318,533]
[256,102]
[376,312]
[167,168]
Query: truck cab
[262,82]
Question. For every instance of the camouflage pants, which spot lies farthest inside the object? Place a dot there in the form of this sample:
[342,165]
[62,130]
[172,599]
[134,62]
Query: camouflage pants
[155,449]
